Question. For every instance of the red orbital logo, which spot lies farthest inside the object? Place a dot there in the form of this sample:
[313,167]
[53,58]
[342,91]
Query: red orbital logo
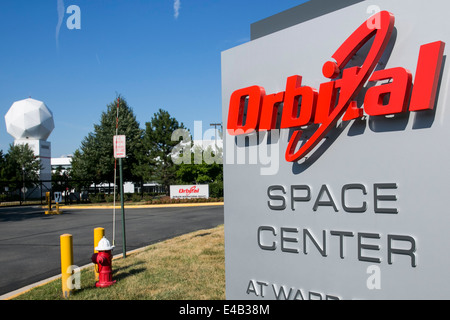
[337,99]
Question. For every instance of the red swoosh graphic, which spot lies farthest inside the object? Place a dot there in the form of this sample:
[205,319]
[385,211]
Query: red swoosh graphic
[353,79]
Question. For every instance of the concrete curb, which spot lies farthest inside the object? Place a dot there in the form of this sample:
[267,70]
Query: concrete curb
[18,292]
[147,206]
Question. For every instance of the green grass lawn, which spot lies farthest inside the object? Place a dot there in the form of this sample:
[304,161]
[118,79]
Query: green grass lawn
[189,267]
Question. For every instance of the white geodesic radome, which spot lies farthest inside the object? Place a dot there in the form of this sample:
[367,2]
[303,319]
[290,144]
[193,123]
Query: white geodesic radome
[29,119]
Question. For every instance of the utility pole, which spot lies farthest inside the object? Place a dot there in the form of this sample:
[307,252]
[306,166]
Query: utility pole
[119,153]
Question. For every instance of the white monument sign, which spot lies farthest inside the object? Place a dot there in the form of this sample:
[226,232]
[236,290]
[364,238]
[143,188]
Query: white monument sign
[336,166]
[189,191]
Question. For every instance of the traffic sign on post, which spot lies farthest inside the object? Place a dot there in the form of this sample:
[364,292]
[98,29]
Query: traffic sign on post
[58,197]
[120,147]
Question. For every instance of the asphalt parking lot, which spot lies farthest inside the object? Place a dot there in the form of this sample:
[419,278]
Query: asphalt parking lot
[29,239]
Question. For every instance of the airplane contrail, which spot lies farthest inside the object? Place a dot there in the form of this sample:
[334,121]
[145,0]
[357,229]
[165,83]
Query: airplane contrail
[60,8]
[176,8]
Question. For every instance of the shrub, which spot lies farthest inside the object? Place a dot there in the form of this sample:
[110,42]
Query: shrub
[136,197]
[97,198]
[216,189]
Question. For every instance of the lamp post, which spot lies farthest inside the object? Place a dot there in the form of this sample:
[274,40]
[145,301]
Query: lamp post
[23,182]
[215,125]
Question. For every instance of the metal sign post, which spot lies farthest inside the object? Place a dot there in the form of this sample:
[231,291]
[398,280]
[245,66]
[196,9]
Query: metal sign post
[123,210]
[119,153]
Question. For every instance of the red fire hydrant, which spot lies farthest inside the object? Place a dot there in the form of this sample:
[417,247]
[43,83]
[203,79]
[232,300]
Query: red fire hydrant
[103,261]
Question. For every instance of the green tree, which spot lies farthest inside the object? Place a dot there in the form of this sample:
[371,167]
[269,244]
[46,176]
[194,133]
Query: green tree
[60,179]
[3,166]
[20,164]
[198,171]
[94,160]
[202,170]
[159,145]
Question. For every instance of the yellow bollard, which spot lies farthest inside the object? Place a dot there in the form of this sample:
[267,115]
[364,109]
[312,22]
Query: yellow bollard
[48,199]
[99,233]
[57,209]
[66,263]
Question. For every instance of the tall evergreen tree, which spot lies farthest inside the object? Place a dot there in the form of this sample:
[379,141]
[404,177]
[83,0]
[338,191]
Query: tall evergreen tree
[94,160]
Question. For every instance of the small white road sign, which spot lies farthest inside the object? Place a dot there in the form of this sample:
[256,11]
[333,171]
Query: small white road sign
[120,147]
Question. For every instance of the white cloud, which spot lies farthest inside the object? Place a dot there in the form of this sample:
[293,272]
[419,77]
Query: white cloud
[176,8]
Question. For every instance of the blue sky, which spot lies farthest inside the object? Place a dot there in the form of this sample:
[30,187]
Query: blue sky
[149,52]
